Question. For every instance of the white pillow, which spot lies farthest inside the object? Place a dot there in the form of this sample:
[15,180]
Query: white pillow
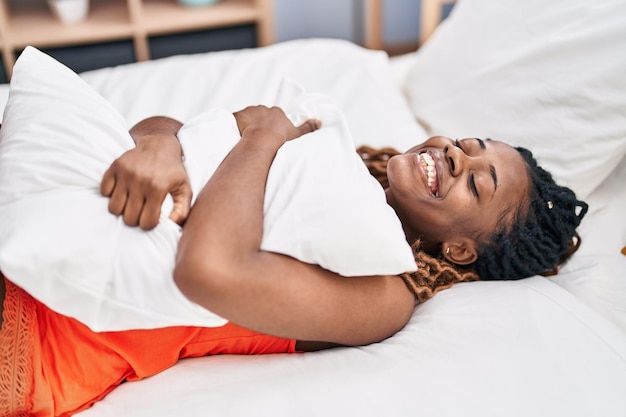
[548,76]
[321,203]
[59,242]
[62,245]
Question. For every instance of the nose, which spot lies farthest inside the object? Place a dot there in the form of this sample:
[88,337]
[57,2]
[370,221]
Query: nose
[460,161]
[454,156]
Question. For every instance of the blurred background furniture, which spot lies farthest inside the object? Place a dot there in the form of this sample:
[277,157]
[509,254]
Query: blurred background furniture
[123,31]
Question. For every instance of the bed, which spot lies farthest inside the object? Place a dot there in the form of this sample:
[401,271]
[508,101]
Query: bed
[546,76]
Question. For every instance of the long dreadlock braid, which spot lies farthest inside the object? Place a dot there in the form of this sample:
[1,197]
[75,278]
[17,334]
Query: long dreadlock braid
[542,236]
[433,274]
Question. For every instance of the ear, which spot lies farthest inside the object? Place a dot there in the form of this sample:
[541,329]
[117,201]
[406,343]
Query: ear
[460,251]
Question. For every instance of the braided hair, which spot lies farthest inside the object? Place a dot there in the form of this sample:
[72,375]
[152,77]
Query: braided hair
[542,236]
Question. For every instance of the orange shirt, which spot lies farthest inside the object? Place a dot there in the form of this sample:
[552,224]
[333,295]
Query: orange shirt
[73,367]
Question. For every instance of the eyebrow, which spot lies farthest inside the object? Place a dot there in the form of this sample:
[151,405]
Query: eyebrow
[492,169]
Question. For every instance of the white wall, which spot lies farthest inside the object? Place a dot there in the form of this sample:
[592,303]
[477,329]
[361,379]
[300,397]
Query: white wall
[296,19]
[343,19]
[401,21]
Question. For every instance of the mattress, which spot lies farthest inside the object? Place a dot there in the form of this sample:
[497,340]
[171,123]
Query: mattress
[540,346]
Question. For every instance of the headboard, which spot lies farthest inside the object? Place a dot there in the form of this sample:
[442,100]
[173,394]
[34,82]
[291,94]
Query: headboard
[431,14]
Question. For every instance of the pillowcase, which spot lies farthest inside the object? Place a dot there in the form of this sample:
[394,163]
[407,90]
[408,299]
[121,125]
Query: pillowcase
[62,245]
[321,203]
[59,242]
[547,76]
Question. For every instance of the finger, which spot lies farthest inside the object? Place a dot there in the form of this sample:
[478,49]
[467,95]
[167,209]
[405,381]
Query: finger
[182,204]
[108,183]
[117,198]
[151,211]
[134,206]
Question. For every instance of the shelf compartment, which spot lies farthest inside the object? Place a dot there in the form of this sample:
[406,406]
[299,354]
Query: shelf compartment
[168,16]
[33,24]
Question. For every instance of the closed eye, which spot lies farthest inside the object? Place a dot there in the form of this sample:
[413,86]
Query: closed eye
[472,185]
[471,180]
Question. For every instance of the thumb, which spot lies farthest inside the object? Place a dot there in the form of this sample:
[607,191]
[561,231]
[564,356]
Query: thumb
[182,203]
[310,125]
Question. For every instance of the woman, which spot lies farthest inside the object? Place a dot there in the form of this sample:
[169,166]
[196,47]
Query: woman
[461,200]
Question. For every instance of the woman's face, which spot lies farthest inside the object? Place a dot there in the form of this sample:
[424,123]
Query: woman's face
[450,193]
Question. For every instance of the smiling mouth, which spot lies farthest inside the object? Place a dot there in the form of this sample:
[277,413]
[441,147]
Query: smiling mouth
[428,163]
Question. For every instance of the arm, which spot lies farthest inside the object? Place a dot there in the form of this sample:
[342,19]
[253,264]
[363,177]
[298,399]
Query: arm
[220,266]
[139,180]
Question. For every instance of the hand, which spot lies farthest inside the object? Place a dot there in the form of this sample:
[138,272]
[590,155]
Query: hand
[261,118]
[139,180]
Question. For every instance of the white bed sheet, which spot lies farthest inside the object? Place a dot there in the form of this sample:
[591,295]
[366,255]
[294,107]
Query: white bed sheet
[480,349]
[459,355]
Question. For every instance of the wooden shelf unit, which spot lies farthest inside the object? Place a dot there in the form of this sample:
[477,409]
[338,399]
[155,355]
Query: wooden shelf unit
[431,15]
[32,23]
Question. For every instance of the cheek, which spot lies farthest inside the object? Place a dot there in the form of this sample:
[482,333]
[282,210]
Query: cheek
[428,223]
[446,221]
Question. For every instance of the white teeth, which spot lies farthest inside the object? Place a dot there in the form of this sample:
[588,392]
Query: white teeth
[428,159]
[429,165]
